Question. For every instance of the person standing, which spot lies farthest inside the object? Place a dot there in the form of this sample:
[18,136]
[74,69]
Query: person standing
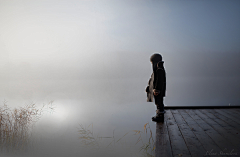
[157,86]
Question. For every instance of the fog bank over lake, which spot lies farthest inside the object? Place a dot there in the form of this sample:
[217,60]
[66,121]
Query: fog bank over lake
[92,59]
[100,50]
[192,79]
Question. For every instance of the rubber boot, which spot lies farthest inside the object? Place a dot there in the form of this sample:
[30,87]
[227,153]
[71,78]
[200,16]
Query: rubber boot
[159,116]
[159,113]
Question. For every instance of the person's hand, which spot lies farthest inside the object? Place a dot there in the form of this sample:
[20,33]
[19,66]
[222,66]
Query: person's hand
[155,93]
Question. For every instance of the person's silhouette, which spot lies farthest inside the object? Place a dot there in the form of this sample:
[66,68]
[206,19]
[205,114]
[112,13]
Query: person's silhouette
[157,86]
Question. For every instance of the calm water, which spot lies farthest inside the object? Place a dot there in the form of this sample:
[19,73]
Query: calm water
[110,111]
[114,126]
[111,129]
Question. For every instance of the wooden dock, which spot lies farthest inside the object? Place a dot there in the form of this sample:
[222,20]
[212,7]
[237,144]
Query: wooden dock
[198,131]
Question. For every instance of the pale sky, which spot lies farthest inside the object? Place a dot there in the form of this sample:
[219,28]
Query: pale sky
[97,39]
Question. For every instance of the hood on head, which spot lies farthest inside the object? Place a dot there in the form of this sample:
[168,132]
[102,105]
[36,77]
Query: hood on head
[156,60]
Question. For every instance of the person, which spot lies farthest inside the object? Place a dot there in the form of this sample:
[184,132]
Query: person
[157,86]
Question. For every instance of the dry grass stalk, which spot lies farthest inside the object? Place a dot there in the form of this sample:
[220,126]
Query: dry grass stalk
[15,125]
[87,137]
[147,148]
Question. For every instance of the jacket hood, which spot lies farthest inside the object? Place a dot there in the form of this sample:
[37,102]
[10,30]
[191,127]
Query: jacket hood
[156,58]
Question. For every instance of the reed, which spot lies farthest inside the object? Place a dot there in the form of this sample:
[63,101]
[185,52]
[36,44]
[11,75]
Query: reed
[148,147]
[15,125]
[87,137]
[144,137]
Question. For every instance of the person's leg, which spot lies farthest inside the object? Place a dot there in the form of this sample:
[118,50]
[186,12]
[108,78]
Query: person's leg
[160,109]
[161,105]
[157,103]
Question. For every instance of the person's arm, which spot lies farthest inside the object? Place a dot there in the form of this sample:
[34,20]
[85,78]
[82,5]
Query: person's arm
[159,82]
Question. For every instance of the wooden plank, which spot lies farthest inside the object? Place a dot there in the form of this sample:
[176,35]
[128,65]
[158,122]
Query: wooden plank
[235,110]
[218,120]
[231,112]
[225,130]
[179,147]
[203,137]
[163,146]
[228,115]
[216,137]
[193,144]
[229,121]
[229,144]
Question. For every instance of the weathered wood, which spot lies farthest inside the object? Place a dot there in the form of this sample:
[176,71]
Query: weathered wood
[229,121]
[232,130]
[235,110]
[227,139]
[193,144]
[198,132]
[179,147]
[216,137]
[203,137]
[228,115]
[232,112]
[223,129]
[163,145]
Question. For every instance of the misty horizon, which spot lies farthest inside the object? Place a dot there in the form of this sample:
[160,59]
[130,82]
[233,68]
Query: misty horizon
[92,60]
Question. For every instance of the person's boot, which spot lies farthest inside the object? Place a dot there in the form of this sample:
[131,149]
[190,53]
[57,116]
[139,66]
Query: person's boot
[159,116]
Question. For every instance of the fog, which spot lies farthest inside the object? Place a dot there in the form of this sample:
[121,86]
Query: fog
[95,55]
[192,79]
[45,43]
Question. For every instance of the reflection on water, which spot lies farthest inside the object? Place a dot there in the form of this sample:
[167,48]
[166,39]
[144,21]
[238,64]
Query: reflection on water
[73,128]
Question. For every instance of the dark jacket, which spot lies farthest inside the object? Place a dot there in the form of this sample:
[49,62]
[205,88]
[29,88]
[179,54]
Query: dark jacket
[157,82]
